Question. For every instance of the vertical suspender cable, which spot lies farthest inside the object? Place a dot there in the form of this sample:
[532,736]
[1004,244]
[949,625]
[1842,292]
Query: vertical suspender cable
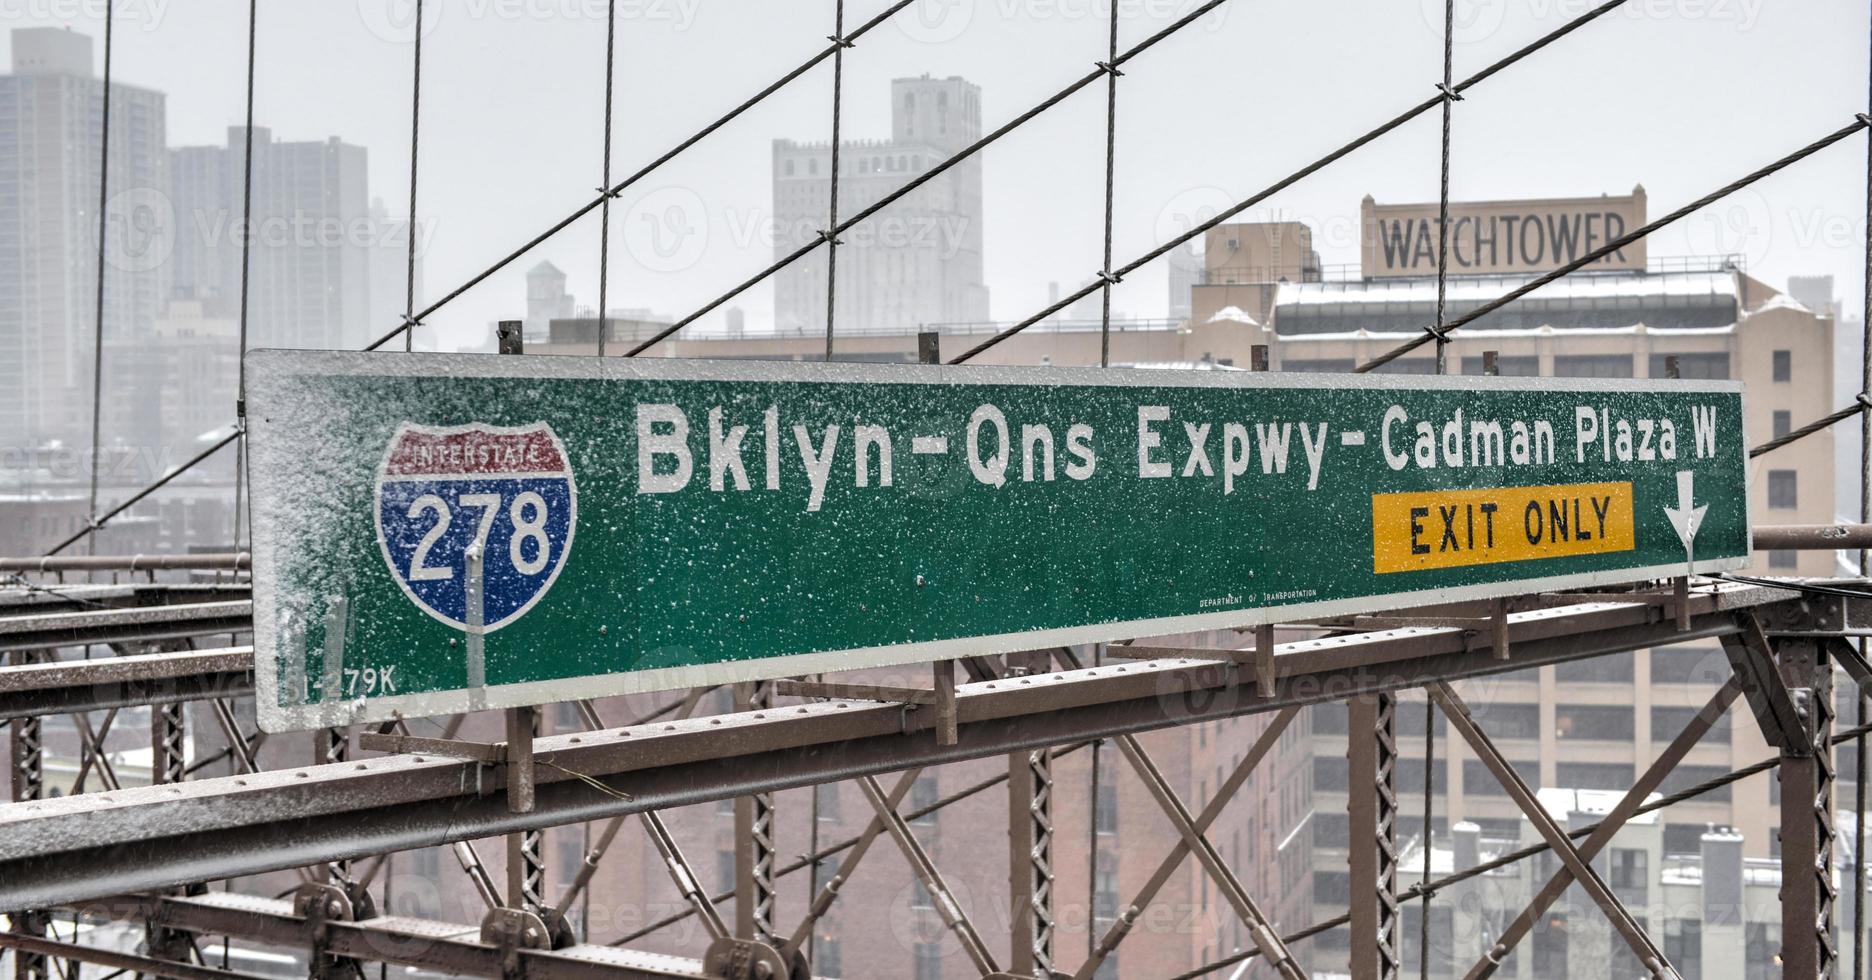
[1110,66]
[1429,836]
[97,345]
[839,44]
[1442,266]
[415,120]
[1111,156]
[240,388]
[1865,513]
[604,210]
[1442,367]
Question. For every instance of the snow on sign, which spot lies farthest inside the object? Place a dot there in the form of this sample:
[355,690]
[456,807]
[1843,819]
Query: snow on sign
[437,532]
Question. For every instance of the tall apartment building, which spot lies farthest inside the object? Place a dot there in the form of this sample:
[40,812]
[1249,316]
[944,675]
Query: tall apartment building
[313,238]
[51,111]
[918,261]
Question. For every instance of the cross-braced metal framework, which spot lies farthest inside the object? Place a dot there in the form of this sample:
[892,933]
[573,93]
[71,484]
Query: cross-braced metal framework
[147,854]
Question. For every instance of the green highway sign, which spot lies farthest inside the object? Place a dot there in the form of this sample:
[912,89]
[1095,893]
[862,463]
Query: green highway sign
[437,532]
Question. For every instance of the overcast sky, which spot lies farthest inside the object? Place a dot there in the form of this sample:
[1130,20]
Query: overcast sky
[1680,96]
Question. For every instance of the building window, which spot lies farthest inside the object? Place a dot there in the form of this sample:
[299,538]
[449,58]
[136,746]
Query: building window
[1689,665]
[1702,366]
[1686,839]
[1329,773]
[826,798]
[1508,720]
[1107,806]
[1519,366]
[1667,721]
[1479,781]
[812,167]
[1685,776]
[724,871]
[1550,946]
[828,960]
[923,795]
[1593,775]
[920,897]
[1784,558]
[1332,887]
[1783,487]
[1593,721]
[1764,947]
[1630,874]
[1592,366]
[928,961]
[1683,945]
[1329,718]
[1783,365]
[1783,422]
[789,168]
[1613,669]
[1105,898]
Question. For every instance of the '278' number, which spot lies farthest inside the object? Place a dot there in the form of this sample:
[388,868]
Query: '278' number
[527,512]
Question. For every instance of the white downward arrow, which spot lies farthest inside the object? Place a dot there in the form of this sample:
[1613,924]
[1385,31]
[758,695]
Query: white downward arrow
[1687,516]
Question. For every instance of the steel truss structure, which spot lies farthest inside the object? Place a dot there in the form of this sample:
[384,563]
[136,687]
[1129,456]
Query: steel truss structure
[146,854]
[143,854]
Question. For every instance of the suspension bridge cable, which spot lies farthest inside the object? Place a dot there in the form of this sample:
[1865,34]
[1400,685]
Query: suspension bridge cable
[1110,67]
[97,344]
[936,171]
[839,44]
[604,185]
[1865,516]
[1449,97]
[415,119]
[240,385]
[641,173]
[1224,215]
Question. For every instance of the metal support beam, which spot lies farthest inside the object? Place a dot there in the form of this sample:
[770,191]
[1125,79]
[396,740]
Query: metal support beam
[168,731]
[1030,862]
[1649,955]
[1030,844]
[225,827]
[1808,951]
[1371,816]
[27,782]
[754,840]
[1753,661]
[526,868]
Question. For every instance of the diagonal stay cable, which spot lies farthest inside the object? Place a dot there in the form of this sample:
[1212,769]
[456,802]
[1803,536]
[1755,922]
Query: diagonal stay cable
[1859,122]
[936,171]
[1298,175]
[642,172]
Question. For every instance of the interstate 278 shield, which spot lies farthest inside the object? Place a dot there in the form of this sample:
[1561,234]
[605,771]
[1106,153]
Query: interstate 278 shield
[475,521]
